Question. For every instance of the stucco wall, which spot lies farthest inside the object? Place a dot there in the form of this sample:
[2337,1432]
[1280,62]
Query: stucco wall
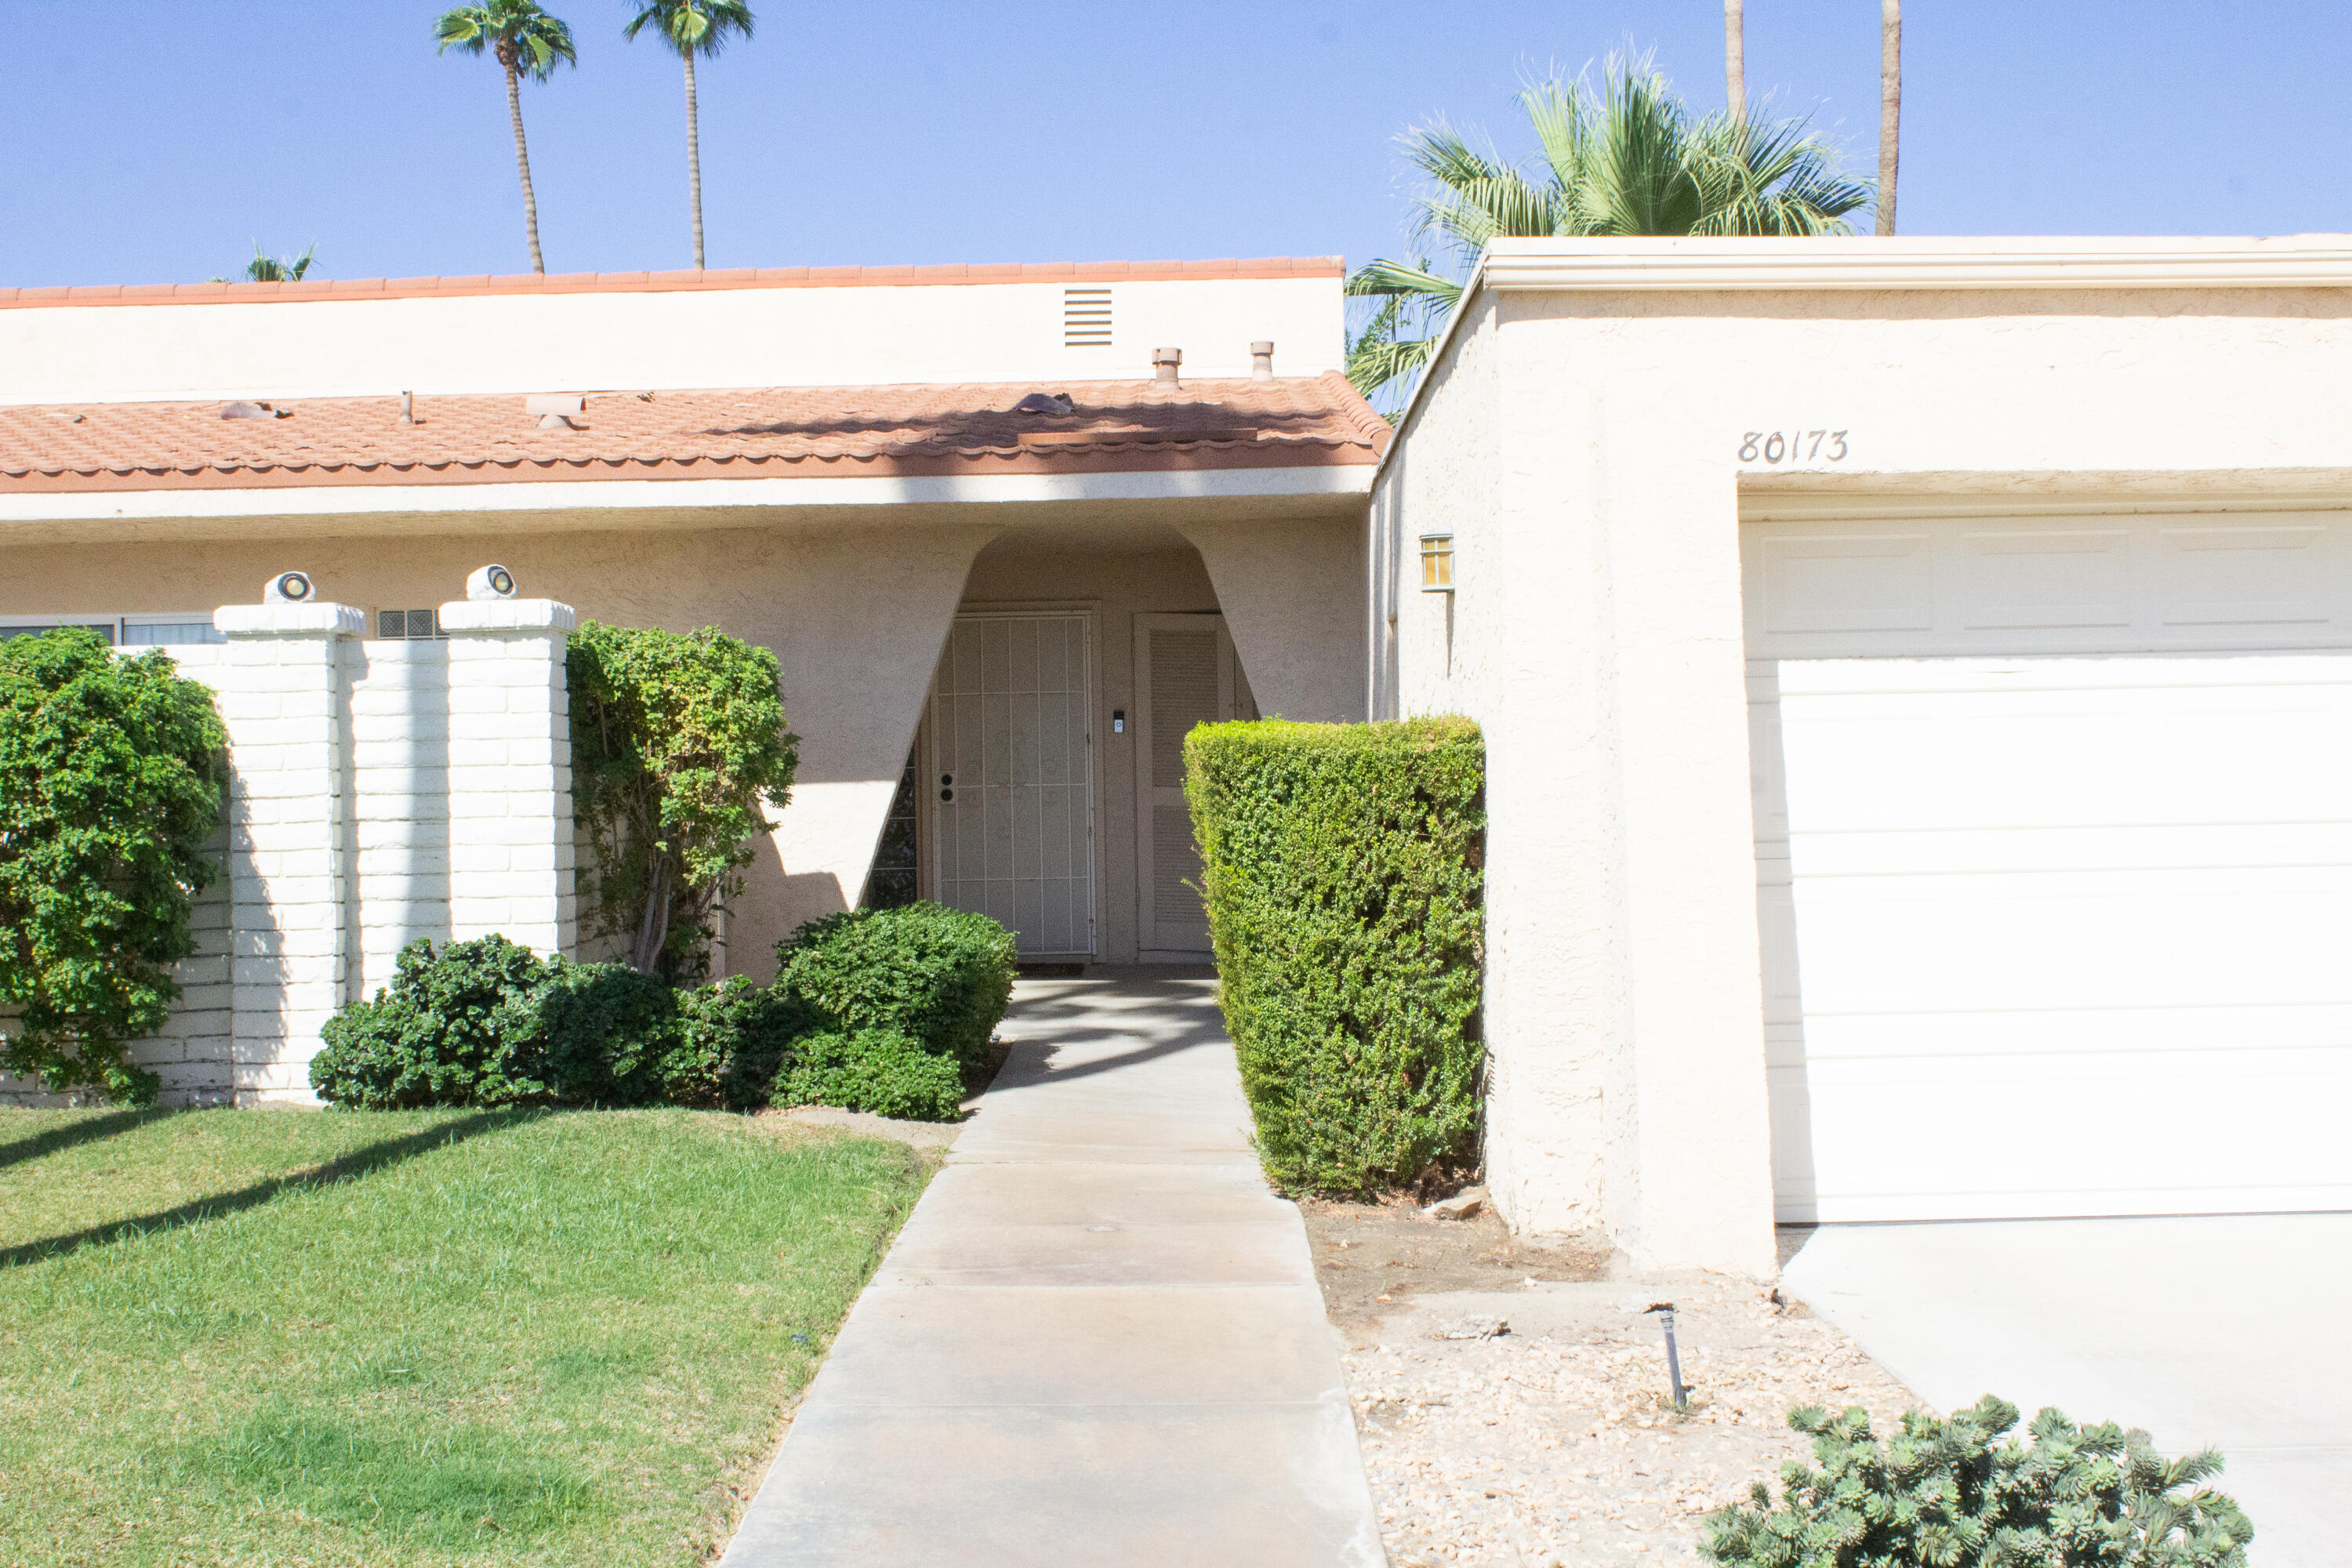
[857,617]
[1596,636]
[585,341]
[1293,597]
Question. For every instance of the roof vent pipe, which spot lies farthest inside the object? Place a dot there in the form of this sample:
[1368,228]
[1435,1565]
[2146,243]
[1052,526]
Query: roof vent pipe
[1163,366]
[1262,359]
[408,408]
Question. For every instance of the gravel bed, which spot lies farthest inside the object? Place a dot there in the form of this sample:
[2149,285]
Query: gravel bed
[1555,1442]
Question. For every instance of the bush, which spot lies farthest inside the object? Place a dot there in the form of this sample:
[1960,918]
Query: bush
[679,750]
[110,785]
[488,1023]
[607,1034]
[733,1039]
[943,975]
[1951,1491]
[1342,875]
[880,1070]
[461,1028]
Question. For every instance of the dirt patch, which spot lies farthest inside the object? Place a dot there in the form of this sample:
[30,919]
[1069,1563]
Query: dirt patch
[1512,1401]
[1374,1259]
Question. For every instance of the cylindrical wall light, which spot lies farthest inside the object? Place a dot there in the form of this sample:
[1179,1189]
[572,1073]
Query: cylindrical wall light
[1437,563]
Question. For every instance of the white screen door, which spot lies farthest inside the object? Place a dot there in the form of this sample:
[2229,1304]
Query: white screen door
[1185,674]
[1011,779]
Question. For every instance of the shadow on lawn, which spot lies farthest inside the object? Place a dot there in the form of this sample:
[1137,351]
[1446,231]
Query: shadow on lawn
[87,1130]
[350,1167]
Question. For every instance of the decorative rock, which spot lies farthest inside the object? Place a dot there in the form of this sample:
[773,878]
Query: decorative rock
[1471,1329]
[1463,1205]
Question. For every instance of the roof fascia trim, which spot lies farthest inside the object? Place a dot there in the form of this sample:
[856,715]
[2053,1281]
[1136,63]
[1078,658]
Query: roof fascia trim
[666,495]
[1695,265]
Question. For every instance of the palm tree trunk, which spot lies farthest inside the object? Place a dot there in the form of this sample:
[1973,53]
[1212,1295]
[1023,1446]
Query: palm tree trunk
[1890,107]
[1735,57]
[522,162]
[694,158]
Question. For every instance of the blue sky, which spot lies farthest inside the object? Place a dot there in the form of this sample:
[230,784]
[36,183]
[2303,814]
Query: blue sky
[926,131]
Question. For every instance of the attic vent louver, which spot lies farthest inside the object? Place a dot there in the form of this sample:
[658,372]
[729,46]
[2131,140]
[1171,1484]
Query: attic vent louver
[1086,318]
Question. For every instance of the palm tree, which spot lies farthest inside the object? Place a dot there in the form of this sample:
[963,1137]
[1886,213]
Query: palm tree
[692,27]
[1890,107]
[526,41]
[1630,160]
[267,269]
[1735,57]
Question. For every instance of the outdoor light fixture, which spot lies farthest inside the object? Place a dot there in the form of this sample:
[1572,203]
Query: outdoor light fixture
[289,588]
[1665,1312]
[1437,563]
[490,583]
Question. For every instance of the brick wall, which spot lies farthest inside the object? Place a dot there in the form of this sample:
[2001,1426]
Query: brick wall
[379,792]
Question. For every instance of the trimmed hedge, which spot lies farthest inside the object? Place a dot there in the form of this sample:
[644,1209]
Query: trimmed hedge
[879,1070]
[1343,874]
[943,975]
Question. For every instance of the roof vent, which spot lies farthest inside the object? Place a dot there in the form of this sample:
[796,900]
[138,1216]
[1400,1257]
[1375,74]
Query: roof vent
[253,411]
[1165,364]
[1086,318]
[1262,359]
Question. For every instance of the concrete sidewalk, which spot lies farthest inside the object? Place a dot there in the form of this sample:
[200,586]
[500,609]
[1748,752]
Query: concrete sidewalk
[1099,1339]
[2220,1329]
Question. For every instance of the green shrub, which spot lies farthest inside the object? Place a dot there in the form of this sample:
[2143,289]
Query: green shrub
[460,1027]
[733,1039]
[1342,875]
[679,750]
[607,1034]
[1953,1491]
[110,785]
[941,975]
[881,1070]
[489,1022]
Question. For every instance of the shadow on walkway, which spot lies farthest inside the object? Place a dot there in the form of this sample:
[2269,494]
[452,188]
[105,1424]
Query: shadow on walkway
[87,1130]
[350,1167]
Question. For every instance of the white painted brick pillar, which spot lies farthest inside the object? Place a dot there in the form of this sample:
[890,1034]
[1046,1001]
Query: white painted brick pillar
[510,845]
[281,695]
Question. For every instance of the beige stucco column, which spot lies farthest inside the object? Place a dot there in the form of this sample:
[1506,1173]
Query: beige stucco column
[1293,597]
[857,625]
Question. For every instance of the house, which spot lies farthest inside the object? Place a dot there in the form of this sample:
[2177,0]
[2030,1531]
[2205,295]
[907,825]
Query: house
[1916,674]
[1917,683]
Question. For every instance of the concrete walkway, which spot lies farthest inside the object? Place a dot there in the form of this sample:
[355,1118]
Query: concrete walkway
[1099,1339]
[2224,1330]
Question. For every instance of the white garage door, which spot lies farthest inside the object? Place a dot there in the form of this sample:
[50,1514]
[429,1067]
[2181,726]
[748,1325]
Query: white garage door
[2054,863]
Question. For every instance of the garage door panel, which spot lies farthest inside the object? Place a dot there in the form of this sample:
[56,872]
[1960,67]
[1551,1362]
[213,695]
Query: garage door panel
[2085,942]
[2058,928]
[2011,1137]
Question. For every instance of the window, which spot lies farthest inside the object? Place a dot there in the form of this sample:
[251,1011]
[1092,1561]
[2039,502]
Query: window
[406,624]
[123,631]
[895,878]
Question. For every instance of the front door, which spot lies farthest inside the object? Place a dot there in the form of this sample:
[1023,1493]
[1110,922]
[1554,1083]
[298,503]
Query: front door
[1185,674]
[1010,777]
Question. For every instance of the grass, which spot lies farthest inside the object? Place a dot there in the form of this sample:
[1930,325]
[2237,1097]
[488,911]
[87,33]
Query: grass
[249,1337]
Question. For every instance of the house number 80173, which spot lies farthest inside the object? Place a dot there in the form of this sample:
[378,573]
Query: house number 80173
[1793,447]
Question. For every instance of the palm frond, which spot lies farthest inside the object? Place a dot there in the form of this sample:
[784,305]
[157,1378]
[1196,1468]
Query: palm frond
[700,27]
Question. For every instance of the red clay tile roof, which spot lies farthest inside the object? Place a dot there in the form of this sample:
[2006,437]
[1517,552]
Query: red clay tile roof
[1118,427]
[671,282]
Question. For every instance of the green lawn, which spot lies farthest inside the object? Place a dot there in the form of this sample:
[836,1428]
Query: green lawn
[340,1338]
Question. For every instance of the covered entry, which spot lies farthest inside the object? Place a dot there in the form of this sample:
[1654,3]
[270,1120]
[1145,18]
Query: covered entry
[2055,862]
